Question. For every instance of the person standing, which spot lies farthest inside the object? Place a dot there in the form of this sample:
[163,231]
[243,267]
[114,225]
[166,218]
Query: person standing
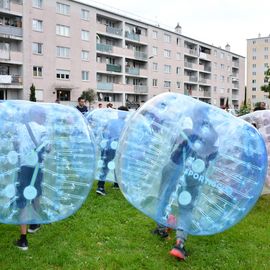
[81,105]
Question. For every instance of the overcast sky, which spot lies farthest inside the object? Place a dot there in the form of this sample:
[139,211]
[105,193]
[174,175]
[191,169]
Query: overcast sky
[216,22]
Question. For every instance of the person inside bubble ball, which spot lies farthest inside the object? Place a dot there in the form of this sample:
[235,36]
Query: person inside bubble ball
[195,148]
[111,135]
[31,146]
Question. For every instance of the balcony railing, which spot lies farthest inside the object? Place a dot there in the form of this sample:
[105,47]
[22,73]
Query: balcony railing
[235,64]
[140,55]
[114,68]
[105,86]
[114,30]
[188,92]
[207,68]
[140,89]
[202,80]
[104,47]
[193,52]
[10,79]
[132,36]
[193,79]
[188,65]
[207,93]
[133,71]
[235,97]
[10,30]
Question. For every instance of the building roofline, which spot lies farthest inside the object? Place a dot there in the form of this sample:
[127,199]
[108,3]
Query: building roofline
[258,38]
[155,26]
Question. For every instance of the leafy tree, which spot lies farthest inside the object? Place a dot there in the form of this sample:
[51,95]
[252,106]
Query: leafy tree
[89,95]
[266,87]
[32,96]
[245,108]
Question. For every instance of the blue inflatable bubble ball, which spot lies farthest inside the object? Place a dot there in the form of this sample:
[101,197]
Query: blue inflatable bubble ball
[47,162]
[189,165]
[107,125]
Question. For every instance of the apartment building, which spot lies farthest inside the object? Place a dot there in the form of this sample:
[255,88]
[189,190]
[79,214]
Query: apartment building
[258,60]
[64,47]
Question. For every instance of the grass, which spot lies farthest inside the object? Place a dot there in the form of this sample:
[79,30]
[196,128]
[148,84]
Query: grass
[108,233]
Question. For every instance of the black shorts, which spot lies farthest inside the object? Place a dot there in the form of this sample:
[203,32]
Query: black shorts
[24,179]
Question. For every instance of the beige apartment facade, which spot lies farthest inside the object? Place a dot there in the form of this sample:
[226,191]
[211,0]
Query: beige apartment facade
[258,60]
[65,47]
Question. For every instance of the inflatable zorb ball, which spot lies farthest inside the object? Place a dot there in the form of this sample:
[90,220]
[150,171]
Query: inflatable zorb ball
[107,125]
[189,165]
[47,162]
[261,120]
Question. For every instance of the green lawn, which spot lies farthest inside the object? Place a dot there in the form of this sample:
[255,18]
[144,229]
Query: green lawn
[108,233]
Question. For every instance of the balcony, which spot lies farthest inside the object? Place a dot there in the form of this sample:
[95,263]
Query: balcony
[104,47]
[236,64]
[105,86]
[235,97]
[192,52]
[10,31]
[203,55]
[188,92]
[204,81]
[110,30]
[204,68]
[206,93]
[11,81]
[133,71]
[113,68]
[11,7]
[193,79]
[190,65]
[140,55]
[141,89]
[11,57]
[114,30]
[132,36]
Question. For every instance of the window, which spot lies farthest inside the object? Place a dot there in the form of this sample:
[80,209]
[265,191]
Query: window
[62,52]
[154,82]
[154,50]
[85,35]
[167,53]
[215,77]
[254,50]
[222,78]
[253,81]
[266,40]
[178,84]
[154,34]
[254,57]
[228,90]
[228,68]
[221,55]
[253,88]
[222,66]
[62,30]
[62,9]
[85,75]
[266,49]
[178,42]
[254,73]
[37,48]
[178,70]
[62,74]
[39,94]
[63,95]
[228,79]
[215,53]
[167,69]
[85,14]
[266,65]
[167,84]
[85,55]
[178,56]
[37,25]
[155,66]
[215,65]
[254,65]
[167,38]
[37,3]
[37,71]
[215,89]
[266,57]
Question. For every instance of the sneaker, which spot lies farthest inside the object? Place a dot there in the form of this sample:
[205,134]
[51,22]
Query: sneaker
[162,232]
[115,186]
[179,251]
[33,228]
[101,191]
[21,244]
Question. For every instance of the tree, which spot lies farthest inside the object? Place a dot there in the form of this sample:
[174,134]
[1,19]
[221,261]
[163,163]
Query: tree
[89,95]
[245,108]
[32,96]
[266,87]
